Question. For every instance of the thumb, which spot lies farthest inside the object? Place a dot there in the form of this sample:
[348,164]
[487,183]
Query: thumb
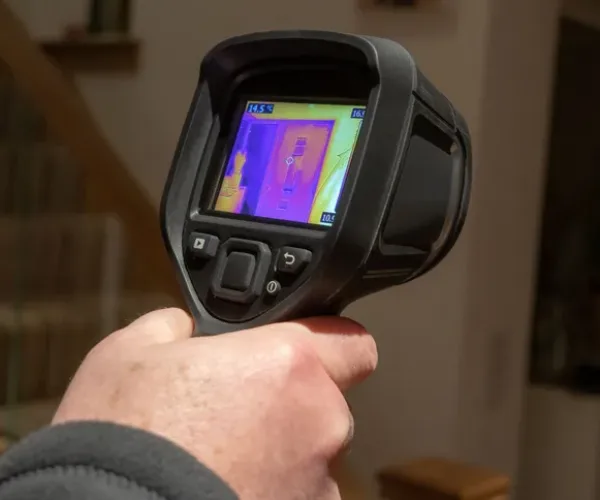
[162,326]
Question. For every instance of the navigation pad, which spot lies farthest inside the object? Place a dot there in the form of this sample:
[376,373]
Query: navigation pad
[241,270]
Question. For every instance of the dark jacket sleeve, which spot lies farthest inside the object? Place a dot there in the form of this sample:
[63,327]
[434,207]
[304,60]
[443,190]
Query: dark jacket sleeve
[102,461]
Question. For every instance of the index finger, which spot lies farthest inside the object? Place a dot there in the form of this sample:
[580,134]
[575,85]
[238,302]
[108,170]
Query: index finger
[348,352]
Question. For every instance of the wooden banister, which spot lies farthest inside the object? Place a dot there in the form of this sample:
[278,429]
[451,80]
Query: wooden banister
[439,479]
[109,185]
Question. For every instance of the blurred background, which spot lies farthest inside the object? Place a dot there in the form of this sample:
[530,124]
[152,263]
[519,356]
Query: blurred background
[492,359]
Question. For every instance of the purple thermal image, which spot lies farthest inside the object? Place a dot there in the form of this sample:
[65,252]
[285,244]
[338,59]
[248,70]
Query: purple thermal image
[275,167]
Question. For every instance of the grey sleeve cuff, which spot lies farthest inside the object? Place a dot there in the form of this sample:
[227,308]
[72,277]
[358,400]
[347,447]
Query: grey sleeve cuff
[102,461]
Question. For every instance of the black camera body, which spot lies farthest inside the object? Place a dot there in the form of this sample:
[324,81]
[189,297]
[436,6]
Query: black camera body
[314,168]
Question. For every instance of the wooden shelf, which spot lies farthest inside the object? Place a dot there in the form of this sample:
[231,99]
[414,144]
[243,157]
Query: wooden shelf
[387,5]
[94,53]
[442,479]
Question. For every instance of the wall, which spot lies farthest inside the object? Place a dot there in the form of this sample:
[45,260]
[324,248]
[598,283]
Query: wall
[561,445]
[452,343]
[515,114]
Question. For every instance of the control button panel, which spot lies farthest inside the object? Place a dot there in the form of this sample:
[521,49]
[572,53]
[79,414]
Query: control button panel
[203,246]
[241,270]
[236,278]
[292,260]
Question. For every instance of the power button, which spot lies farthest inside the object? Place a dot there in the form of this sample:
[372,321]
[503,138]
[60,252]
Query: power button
[273,287]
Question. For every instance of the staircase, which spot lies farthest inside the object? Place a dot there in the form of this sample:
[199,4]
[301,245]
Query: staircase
[63,282]
[68,275]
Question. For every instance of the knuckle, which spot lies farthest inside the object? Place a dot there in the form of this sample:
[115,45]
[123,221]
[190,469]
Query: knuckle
[293,354]
[167,316]
[340,428]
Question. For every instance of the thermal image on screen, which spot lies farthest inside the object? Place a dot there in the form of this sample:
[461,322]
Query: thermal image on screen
[289,161]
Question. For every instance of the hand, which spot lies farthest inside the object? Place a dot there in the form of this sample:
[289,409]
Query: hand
[262,408]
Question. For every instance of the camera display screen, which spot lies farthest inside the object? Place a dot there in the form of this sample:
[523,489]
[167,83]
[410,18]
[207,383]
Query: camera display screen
[289,161]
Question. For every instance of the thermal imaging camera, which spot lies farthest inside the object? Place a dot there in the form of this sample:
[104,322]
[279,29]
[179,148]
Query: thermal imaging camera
[314,168]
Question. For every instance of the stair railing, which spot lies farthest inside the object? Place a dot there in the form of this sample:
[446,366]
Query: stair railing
[110,187]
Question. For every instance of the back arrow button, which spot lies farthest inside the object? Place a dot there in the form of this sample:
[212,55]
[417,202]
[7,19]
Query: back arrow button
[292,260]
